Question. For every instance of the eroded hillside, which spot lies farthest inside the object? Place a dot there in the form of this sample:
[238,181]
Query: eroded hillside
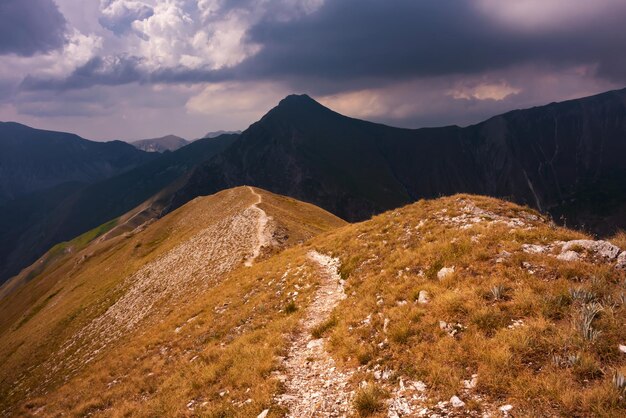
[461,306]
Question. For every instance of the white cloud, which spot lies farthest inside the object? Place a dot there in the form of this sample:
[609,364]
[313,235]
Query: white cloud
[118,15]
[483,91]
[77,51]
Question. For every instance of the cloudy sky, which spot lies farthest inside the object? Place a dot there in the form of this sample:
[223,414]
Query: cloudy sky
[128,69]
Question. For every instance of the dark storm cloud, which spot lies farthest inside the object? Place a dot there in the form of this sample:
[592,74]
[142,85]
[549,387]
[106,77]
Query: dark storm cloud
[28,27]
[352,39]
[349,44]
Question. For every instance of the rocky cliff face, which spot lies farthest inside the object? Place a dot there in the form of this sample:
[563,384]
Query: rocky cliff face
[564,158]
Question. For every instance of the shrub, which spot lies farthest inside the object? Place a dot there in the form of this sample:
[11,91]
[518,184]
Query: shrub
[498,292]
[291,307]
[369,400]
[319,330]
[619,382]
[585,318]
[582,295]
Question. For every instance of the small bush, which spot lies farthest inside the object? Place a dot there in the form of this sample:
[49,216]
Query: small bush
[364,357]
[433,269]
[291,307]
[619,382]
[320,329]
[569,360]
[556,307]
[498,292]
[582,295]
[369,400]
[584,321]
[586,369]
[400,333]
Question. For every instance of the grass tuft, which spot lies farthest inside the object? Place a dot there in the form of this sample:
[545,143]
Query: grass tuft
[584,320]
[291,307]
[369,400]
[322,328]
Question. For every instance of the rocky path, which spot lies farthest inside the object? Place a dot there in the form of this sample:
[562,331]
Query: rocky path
[314,386]
[185,270]
[263,236]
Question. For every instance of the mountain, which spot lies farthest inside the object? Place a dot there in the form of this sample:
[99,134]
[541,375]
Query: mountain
[215,134]
[246,303]
[565,159]
[34,159]
[31,225]
[172,262]
[165,143]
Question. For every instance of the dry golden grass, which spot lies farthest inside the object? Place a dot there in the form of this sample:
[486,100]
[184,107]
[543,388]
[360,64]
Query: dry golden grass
[40,317]
[390,259]
[619,239]
[221,361]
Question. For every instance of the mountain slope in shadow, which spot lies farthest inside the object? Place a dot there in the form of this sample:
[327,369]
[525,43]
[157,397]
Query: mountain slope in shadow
[34,159]
[565,159]
[33,224]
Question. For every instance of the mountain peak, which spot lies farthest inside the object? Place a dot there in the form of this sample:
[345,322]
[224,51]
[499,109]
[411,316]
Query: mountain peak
[297,100]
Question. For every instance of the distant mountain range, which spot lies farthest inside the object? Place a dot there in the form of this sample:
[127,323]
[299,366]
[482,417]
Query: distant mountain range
[215,134]
[162,144]
[565,159]
[35,159]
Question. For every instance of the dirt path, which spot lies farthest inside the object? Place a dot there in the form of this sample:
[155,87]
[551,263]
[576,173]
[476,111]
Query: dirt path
[263,236]
[314,386]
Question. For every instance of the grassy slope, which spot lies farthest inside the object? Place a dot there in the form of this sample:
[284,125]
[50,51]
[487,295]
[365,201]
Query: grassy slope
[214,354]
[83,284]
[390,259]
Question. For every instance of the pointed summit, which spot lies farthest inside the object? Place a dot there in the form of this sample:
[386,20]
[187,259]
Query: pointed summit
[300,107]
[301,102]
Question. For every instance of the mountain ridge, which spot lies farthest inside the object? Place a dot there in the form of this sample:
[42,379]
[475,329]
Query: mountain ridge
[36,159]
[360,318]
[504,156]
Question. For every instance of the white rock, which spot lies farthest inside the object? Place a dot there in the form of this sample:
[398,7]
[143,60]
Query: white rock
[419,386]
[471,384]
[534,248]
[314,343]
[621,261]
[456,402]
[263,414]
[622,348]
[569,256]
[423,297]
[506,408]
[445,272]
[602,248]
